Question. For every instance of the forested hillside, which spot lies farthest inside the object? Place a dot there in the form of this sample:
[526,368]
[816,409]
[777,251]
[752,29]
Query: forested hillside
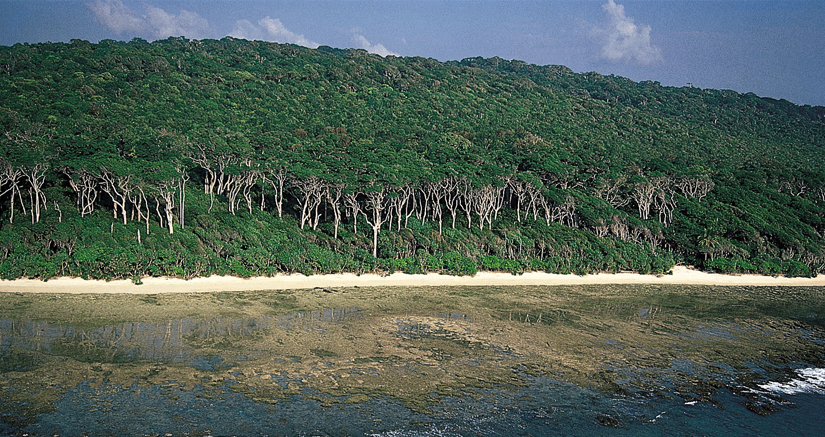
[190,158]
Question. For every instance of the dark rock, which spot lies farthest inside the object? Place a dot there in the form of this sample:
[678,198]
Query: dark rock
[610,421]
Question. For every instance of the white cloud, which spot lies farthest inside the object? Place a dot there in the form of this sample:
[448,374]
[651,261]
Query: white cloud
[156,22]
[116,16]
[246,30]
[164,24]
[624,40]
[270,29]
[276,29]
[377,49]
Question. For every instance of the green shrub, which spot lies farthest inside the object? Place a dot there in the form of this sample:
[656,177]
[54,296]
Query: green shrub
[769,268]
[512,266]
[721,265]
[794,269]
[490,263]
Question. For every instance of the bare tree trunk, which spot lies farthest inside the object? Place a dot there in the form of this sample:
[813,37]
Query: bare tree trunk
[249,180]
[118,189]
[166,193]
[696,188]
[311,195]
[452,196]
[400,202]
[486,201]
[233,188]
[333,196]
[36,175]
[13,177]
[518,188]
[85,186]
[157,210]
[643,193]
[277,179]
[375,203]
[184,177]
[611,191]
[466,201]
[353,208]
[138,200]
[426,193]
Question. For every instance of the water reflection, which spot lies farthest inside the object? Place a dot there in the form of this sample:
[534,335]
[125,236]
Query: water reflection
[168,341]
[312,320]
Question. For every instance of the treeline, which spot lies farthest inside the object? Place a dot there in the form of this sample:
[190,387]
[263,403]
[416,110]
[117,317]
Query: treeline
[189,158]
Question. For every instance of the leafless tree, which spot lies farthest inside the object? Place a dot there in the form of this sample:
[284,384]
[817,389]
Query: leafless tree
[377,207]
[564,213]
[59,212]
[399,202]
[333,195]
[426,192]
[180,182]
[643,193]
[36,176]
[619,228]
[353,209]
[452,188]
[166,196]
[12,179]
[665,200]
[240,184]
[793,186]
[486,201]
[695,187]
[138,199]
[277,178]
[85,186]
[612,191]
[518,189]
[118,187]
[310,192]
[215,165]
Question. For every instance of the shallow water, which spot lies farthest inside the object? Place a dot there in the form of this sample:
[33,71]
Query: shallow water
[606,360]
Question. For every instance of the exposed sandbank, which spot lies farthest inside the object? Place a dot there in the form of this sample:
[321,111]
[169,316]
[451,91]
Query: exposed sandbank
[680,275]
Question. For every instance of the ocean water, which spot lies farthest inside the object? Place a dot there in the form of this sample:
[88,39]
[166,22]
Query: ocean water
[700,369]
[545,407]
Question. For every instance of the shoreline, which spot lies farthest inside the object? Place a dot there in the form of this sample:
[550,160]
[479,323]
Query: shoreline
[680,275]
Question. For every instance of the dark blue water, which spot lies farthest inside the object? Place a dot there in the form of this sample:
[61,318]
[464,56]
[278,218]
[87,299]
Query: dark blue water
[545,407]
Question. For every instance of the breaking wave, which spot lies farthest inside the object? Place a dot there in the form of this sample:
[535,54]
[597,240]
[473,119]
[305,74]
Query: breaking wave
[811,380]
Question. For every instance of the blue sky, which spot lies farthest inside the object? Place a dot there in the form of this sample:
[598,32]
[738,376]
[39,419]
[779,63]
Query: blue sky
[772,48]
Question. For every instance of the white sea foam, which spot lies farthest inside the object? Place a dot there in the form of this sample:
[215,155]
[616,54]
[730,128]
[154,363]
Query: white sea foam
[811,380]
[432,432]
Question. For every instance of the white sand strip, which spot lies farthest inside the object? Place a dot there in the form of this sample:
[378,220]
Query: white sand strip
[681,275]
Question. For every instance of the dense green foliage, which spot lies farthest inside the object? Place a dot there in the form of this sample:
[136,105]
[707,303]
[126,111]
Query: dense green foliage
[190,158]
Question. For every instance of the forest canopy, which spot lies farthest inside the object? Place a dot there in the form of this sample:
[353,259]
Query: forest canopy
[189,158]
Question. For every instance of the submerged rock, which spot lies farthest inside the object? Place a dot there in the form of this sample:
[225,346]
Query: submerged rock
[609,421]
[761,408]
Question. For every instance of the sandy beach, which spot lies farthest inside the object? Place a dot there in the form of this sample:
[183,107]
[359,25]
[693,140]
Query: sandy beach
[680,275]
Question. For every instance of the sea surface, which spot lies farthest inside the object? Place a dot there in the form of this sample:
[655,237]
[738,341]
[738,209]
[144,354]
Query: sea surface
[451,361]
